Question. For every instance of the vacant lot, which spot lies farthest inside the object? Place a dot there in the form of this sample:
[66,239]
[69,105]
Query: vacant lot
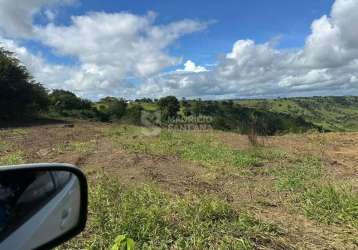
[204,190]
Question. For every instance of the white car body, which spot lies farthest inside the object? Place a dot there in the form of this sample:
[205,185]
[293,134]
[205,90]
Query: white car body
[57,217]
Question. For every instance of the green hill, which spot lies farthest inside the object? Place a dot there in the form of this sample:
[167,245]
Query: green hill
[330,113]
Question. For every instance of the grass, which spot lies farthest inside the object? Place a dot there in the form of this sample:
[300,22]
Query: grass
[13,158]
[197,147]
[76,146]
[332,113]
[331,205]
[156,220]
[4,146]
[297,175]
[324,203]
[13,132]
[217,155]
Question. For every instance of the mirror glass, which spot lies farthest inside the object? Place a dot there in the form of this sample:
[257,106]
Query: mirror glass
[37,206]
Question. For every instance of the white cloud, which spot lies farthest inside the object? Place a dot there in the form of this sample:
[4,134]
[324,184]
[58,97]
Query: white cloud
[113,50]
[132,44]
[190,66]
[16,16]
[328,64]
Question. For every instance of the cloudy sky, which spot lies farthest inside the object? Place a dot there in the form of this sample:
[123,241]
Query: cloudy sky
[203,48]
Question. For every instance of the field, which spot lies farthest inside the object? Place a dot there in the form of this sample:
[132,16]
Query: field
[203,190]
[330,113]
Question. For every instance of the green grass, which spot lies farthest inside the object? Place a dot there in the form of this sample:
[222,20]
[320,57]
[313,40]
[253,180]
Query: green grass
[217,155]
[323,203]
[295,176]
[331,113]
[13,158]
[331,205]
[150,106]
[4,146]
[198,147]
[76,146]
[156,220]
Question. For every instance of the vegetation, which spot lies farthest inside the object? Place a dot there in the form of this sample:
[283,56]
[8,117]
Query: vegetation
[329,204]
[201,190]
[333,113]
[169,107]
[20,95]
[196,190]
[156,220]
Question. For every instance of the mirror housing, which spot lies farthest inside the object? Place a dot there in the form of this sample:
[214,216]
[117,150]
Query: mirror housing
[63,212]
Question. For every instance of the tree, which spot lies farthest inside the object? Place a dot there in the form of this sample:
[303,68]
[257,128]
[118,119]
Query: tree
[185,107]
[114,108]
[20,95]
[66,100]
[169,106]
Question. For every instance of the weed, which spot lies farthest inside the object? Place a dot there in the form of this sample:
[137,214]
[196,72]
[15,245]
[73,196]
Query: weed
[294,177]
[198,147]
[76,146]
[122,242]
[217,155]
[155,220]
[329,204]
[13,158]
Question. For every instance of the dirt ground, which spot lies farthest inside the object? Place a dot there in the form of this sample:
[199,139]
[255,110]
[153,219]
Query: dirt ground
[339,152]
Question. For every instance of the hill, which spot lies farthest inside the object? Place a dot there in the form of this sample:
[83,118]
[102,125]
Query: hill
[330,113]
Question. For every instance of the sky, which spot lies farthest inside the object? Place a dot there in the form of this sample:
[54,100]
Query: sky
[208,49]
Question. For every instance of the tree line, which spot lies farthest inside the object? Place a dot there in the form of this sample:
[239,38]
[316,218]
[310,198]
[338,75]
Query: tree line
[21,97]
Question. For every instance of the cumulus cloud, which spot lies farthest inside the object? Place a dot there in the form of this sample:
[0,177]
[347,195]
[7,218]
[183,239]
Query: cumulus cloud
[327,64]
[132,44]
[112,49]
[16,16]
[334,39]
[123,54]
[190,66]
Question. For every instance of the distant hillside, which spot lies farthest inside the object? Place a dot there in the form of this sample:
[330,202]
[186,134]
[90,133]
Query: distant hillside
[330,113]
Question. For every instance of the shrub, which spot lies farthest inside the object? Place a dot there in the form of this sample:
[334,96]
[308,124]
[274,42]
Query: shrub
[19,93]
[169,107]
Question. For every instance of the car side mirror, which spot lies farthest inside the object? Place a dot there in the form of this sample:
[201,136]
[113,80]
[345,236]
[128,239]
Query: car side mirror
[41,205]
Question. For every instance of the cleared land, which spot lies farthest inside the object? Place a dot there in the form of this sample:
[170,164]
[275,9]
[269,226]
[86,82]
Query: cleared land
[196,190]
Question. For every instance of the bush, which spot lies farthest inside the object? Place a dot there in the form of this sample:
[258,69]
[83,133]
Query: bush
[133,114]
[169,106]
[65,100]
[111,108]
[19,93]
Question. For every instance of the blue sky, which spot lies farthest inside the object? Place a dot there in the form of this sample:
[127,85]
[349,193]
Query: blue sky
[208,49]
[231,20]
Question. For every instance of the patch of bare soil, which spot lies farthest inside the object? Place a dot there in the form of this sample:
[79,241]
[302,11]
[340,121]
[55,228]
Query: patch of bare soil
[171,174]
[339,152]
[339,155]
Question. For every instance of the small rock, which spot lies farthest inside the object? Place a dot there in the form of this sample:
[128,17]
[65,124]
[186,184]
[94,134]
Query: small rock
[44,152]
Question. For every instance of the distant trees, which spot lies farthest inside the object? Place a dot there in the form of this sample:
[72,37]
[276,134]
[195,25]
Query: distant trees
[20,95]
[169,106]
[112,108]
[66,100]
[144,100]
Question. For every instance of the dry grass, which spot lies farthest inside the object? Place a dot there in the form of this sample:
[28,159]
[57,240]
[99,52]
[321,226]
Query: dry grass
[205,190]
